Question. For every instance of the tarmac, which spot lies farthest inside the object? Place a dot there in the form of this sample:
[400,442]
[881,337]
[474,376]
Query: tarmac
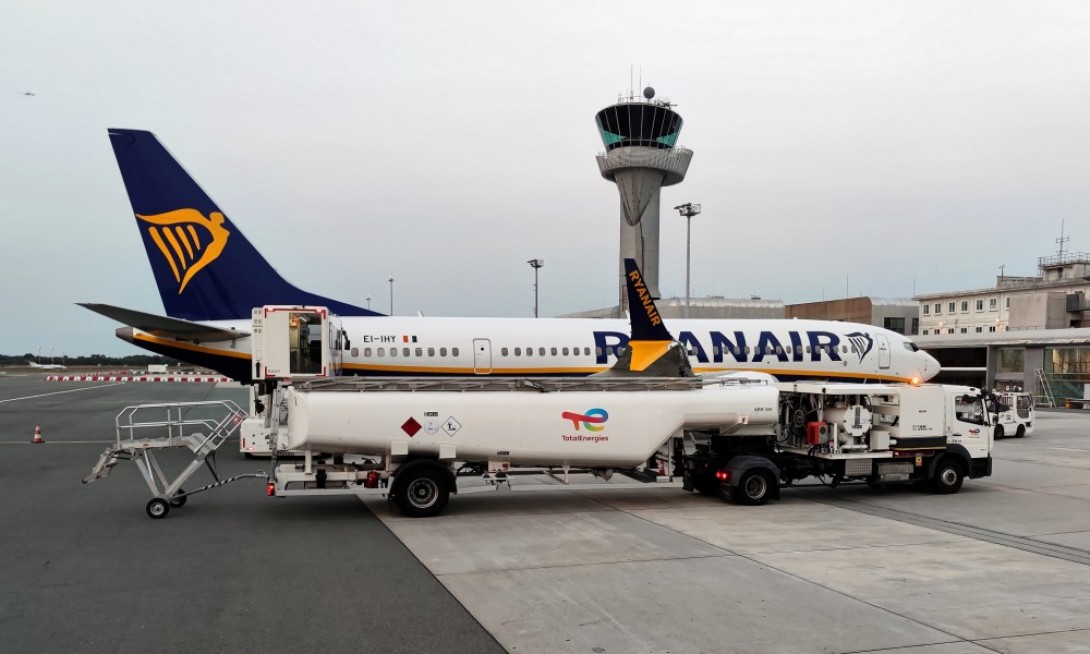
[1003,566]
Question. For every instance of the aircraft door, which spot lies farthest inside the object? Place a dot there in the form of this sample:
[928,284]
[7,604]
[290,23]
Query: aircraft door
[883,351]
[482,356]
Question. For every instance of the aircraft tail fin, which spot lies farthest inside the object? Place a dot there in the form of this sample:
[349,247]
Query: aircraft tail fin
[651,351]
[204,267]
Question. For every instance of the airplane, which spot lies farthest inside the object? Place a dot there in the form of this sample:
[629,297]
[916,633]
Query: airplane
[210,278]
[46,366]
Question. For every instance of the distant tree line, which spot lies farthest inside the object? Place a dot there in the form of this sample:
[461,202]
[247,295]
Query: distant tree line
[133,360]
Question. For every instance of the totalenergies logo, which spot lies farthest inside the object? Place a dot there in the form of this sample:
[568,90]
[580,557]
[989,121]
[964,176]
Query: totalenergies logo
[591,420]
[188,240]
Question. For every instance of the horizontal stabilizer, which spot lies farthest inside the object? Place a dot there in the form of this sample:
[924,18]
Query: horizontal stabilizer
[163,326]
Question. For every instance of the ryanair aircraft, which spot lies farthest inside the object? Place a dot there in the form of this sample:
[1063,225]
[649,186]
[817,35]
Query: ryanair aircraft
[210,278]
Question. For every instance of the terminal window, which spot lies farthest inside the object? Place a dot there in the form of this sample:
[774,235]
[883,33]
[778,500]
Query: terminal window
[964,306]
[894,324]
[938,308]
[980,305]
[951,307]
[927,309]
[992,304]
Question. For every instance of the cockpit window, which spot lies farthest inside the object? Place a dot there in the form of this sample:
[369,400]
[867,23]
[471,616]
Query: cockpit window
[911,347]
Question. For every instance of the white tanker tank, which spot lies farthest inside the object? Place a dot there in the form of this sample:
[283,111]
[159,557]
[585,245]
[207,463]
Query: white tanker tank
[584,423]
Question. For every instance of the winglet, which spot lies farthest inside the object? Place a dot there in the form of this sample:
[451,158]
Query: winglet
[651,350]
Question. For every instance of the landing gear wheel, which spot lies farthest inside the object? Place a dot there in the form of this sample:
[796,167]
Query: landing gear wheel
[422,494]
[998,432]
[157,508]
[1021,433]
[753,489]
[178,502]
[948,477]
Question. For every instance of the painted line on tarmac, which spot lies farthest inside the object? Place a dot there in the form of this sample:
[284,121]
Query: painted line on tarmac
[71,390]
[1073,554]
[53,442]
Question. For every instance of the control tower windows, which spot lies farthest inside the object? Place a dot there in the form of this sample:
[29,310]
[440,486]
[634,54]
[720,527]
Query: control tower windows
[638,124]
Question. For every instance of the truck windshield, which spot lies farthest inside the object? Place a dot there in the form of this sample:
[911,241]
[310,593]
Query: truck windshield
[969,409]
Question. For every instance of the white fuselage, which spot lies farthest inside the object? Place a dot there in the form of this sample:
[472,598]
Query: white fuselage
[788,349]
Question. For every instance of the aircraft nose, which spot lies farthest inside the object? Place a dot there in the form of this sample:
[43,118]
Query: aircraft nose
[931,366]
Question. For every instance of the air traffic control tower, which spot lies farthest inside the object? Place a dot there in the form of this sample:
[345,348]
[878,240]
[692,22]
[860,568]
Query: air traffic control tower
[640,158]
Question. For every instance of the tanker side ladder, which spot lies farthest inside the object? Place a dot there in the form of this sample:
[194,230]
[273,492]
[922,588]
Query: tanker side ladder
[201,427]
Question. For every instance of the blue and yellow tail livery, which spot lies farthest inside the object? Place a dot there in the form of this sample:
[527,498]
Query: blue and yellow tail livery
[204,267]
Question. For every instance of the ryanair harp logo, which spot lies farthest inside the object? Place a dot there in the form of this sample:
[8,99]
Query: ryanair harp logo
[862,343]
[188,240]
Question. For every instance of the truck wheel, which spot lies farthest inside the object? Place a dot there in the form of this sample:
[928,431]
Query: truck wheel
[998,432]
[948,476]
[157,508]
[1021,433]
[753,488]
[422,493]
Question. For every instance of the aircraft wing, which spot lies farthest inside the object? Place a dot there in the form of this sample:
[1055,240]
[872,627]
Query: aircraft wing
[164,327]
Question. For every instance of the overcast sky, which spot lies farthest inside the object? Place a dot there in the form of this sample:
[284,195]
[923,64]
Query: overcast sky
[883,147]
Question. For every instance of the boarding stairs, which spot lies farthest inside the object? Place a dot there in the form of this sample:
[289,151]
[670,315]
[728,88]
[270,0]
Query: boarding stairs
[141,430]
[1044,394]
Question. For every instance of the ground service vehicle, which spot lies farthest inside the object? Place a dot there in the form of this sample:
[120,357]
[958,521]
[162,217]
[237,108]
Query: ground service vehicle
[1012,414]
[933,434]
[739,436]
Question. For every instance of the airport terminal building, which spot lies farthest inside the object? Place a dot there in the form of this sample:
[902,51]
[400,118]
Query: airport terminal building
[1030,333]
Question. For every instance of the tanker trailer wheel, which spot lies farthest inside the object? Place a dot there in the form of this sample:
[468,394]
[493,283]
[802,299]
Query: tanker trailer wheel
[421,492]
[948,476]
[753,489]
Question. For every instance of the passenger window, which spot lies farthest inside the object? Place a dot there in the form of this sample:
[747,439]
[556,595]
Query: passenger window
[518,351]
[393,352]
[598,351]
[565,351]
[553,352]
[808,349]
[442,351]
[586,351]
[541,351]
[454,352]
[419,351]
[529,351]
[431,351]
[405,351]
[779,349]
[737,350]
[382,351]
[503,351]
[367,352]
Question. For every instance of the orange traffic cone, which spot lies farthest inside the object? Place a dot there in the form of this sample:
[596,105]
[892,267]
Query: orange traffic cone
[37,435]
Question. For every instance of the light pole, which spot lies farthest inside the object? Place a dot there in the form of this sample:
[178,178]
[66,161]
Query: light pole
[688,210]
[391,280]
[536,264]
[368,302]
